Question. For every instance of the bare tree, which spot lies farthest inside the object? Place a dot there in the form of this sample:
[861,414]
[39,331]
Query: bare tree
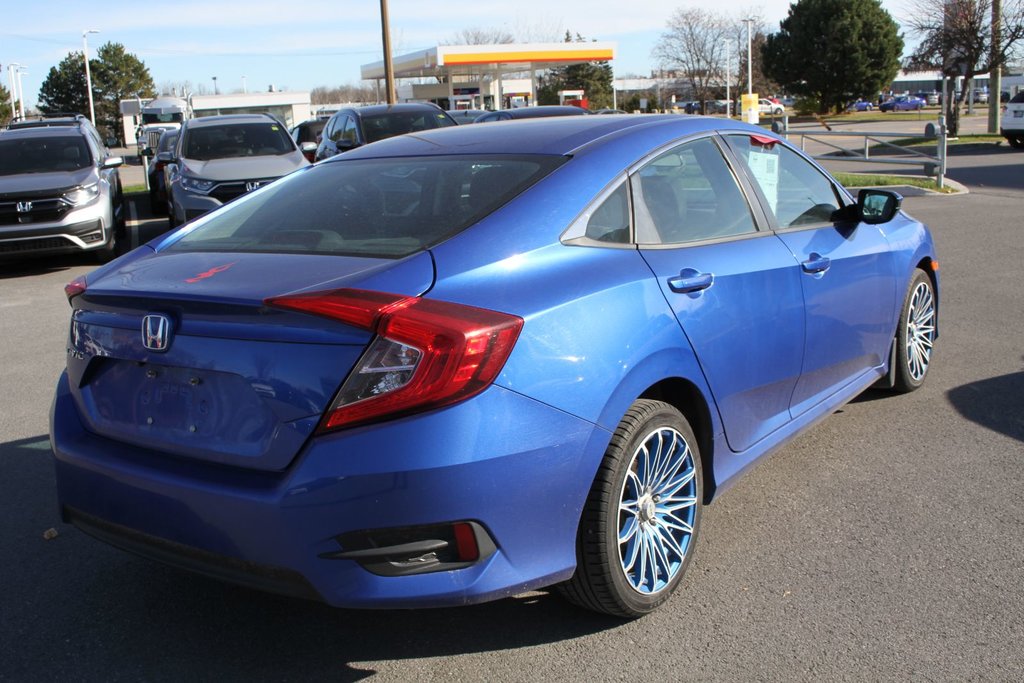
[694,45]
[341,94]
[956,38]
[481,36]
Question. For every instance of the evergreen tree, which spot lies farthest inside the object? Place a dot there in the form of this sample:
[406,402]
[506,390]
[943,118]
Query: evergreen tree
[64,87]
[118,75]
[834,51]
[5,106]
[594,78]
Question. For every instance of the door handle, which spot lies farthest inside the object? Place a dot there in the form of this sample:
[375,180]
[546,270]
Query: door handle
[816,264]
[690,280]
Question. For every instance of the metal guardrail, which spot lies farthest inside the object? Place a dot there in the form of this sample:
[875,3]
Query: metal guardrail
[934,165]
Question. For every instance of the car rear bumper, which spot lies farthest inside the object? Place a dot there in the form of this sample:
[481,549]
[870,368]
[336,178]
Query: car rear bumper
[519,469]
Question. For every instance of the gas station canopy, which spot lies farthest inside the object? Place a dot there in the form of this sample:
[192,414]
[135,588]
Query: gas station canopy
[467,60]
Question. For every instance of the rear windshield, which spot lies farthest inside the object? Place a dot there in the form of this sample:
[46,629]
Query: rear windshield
[43,155]
[1018,98]
[236,140]
[383,208]
[395,123]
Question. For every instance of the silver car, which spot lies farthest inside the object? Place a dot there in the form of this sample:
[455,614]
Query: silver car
[59,192]
[219,158]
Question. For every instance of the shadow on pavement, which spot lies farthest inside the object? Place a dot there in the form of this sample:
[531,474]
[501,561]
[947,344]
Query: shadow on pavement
[996,403]
[74,608]
[42,265]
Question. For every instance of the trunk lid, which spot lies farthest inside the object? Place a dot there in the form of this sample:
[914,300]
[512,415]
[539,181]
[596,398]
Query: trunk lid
[238,383]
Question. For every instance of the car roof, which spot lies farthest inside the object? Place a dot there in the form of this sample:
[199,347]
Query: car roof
[231,118]
[374,109]
[68,120]
[560,135]
[543,110]
[43,132]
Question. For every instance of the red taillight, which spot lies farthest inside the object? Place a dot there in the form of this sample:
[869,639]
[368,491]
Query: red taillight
[426,354]
[75,287]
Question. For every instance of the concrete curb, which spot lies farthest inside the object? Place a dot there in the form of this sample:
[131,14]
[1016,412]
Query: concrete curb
[915,191]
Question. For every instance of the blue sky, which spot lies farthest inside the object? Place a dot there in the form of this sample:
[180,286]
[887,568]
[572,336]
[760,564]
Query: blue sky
[318,42]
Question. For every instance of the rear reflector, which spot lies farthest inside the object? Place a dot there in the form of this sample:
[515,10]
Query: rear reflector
[427,353]
[465,542]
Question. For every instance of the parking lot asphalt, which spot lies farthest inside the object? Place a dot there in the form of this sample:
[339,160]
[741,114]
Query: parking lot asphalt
[886,543]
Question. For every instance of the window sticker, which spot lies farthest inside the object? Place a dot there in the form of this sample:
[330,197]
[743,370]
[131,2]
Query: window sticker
[274,128]
[765,167]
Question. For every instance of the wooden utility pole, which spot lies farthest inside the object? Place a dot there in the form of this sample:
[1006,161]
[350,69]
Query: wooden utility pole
[995,77]
[389,69]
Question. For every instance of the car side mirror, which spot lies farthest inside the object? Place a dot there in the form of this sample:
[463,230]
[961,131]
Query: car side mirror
[165,157]
[147,152]
[308,147]
[112,162]
[878,206]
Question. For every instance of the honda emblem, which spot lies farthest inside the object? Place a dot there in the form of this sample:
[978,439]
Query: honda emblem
[156,332]
[24,207]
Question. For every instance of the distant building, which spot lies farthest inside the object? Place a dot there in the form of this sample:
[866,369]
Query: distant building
[290,107]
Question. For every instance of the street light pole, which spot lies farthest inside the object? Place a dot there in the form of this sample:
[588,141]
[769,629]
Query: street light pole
[21,90]
[750,61]
[14,88]
[728,97]
[88,76]
[245,90]
[215,92]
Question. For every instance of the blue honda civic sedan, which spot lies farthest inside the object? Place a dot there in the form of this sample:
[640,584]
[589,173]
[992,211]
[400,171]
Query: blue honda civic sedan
[462,364]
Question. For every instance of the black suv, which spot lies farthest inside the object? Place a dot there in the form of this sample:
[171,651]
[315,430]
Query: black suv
[59,189]
[357,126]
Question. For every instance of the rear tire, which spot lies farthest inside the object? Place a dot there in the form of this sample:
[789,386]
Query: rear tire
[1016,142]
[642,516]
[916,335]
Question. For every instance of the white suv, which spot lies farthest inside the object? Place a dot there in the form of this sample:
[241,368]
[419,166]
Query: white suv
[1012,125]
[59,190]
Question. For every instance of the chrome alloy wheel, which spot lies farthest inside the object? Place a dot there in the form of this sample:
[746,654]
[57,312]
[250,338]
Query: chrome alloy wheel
[920,330]
[657,511]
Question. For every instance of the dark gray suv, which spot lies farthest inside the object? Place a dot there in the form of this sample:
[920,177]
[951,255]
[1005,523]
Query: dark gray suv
[220,158]
[59,191]
[357,126]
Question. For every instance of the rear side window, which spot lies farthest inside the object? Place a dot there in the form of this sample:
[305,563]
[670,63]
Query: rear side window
[689,194]
[1018,98]
[385,208]
[236,140]
[401,122]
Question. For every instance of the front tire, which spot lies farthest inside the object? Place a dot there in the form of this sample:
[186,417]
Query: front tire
[642,516]
[1016,142]
[915,338]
